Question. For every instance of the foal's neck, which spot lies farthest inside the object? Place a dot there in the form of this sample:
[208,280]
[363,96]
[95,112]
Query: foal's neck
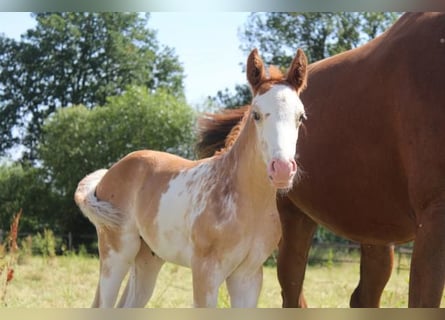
[248,169]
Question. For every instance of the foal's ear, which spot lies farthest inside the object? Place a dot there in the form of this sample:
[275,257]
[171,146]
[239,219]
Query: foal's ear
[255,69]
[297,75]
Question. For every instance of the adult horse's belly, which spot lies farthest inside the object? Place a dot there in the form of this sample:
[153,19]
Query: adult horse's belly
[363,226]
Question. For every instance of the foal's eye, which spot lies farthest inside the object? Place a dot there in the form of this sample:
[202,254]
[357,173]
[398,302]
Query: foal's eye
[256,115]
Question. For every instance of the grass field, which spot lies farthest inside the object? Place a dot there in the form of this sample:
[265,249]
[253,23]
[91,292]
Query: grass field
[70,281]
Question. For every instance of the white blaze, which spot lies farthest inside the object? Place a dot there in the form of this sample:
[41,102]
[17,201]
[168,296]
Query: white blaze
[281,108]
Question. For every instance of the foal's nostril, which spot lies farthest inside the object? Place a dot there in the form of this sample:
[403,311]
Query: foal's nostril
[293,166]
[273,166]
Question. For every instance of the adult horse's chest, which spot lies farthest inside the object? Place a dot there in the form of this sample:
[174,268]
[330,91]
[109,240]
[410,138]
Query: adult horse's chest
[358,192]
[355,180]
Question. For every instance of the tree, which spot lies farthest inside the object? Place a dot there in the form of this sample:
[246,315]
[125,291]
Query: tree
[74,58]
[78,140]
[278,35]
[24,188]
[229,100]
[320,34]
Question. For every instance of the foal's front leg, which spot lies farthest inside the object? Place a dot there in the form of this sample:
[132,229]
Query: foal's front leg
[244,288]
[207,278]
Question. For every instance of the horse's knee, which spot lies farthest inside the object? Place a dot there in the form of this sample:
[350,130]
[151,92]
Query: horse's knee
[427,275]
[376,264]
[292,257]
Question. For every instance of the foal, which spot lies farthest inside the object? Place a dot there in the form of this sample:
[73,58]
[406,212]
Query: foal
[217,215]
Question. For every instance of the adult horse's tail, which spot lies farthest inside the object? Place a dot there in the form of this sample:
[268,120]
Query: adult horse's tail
[217,131]
[100,213]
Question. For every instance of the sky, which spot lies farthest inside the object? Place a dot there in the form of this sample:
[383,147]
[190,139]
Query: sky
[206,44]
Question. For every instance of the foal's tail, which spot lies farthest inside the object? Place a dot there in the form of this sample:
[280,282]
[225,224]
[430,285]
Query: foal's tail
[100,213]
[217,131]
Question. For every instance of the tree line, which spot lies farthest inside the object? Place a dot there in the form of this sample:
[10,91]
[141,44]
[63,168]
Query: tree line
[80,90]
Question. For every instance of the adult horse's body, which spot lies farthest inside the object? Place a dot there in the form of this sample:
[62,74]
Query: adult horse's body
[217,216]
[374,161]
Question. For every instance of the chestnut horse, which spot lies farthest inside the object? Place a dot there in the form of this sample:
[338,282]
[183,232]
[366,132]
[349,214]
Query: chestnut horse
[373,157]
[217,216]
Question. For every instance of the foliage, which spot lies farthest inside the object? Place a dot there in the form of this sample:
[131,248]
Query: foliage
[278,35]
[45,244]
[23,187]
[73,58]
[226,99]
[323,236]
[12,186]
[78,140]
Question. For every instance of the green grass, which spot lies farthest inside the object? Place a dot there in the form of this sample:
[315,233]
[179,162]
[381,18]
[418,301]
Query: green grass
[70,281]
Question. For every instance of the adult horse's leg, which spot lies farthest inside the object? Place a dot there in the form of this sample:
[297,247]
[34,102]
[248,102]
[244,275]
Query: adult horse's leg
[427,276]
[293,250]
[142,279]
[376,264]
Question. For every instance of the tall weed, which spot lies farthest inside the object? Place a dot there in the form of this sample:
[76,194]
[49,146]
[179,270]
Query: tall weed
[8,257]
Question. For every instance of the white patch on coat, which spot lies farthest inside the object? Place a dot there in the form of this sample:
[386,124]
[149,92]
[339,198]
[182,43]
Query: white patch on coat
[117,264]
[185,199]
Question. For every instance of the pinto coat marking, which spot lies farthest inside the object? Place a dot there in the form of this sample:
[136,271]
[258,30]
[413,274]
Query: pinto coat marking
[217,216]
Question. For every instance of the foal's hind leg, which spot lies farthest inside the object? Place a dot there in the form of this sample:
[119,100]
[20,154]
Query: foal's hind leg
[117,250]
[142,279]
[297,233]
[376,264]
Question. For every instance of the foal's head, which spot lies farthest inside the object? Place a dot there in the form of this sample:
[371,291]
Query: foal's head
[277,112]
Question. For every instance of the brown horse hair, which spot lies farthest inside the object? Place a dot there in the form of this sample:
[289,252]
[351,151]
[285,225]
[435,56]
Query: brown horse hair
[217,132]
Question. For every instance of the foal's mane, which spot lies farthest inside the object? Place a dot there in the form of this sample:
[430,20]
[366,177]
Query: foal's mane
[217,132]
